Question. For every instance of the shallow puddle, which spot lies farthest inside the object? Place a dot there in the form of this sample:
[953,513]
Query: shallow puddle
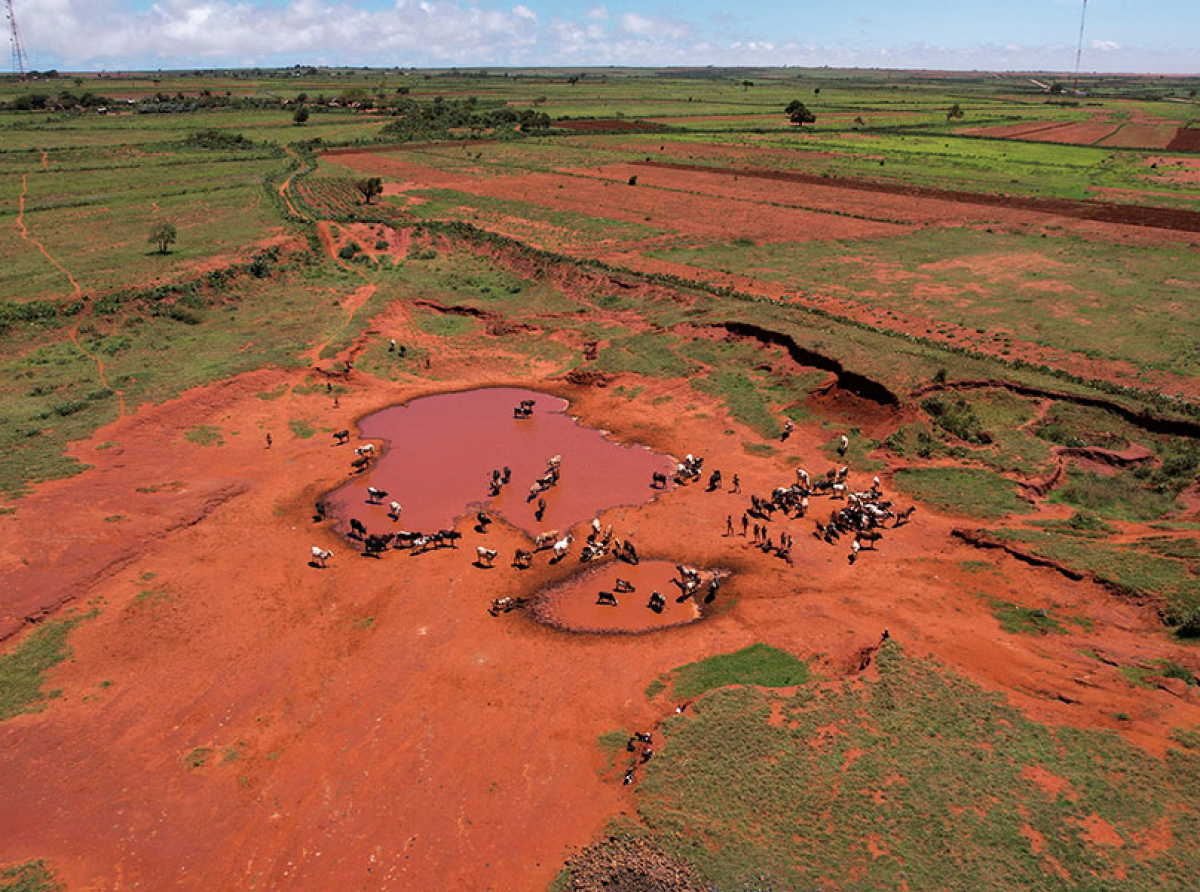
[573,604]
[441,450]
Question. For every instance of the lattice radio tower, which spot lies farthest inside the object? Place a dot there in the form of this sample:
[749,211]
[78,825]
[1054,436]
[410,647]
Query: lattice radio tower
[20,62]
[1078,52]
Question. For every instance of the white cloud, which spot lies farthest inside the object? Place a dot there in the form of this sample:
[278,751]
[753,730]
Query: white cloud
[180,33]
[655,28]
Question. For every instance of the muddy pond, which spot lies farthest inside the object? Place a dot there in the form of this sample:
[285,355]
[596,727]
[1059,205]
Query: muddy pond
[440,451]
[575,604]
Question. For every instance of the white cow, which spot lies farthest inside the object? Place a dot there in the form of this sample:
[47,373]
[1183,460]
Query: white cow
[320,555]
[561,547]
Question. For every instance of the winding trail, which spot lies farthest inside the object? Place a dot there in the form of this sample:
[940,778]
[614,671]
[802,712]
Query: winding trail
[77,292]
[354,300]
[286,185]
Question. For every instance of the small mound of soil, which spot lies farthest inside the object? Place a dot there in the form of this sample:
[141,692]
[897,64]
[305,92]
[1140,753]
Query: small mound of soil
[630,865]
[588,378]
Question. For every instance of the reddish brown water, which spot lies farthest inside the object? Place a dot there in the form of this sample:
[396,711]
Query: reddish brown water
[440,452]
[572,605]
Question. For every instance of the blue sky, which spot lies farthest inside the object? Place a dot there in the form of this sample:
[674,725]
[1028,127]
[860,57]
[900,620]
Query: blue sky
[1160,36]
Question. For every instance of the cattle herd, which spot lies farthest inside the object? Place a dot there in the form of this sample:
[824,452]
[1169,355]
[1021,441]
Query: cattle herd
[861,516]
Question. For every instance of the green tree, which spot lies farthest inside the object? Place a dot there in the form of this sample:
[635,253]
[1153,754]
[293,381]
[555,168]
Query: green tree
[799,114]
[369,187]
[954,111]
[300,116]
[163,234]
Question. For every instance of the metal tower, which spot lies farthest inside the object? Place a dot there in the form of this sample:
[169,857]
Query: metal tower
[20,62]
[1078,52]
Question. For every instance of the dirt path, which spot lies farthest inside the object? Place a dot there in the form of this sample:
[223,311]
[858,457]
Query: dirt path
[77,293]
[285,188]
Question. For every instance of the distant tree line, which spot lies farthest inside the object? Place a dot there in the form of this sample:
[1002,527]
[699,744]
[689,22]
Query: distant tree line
[425,120]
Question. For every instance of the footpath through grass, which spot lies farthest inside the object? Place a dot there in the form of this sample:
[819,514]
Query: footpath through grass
[920,780]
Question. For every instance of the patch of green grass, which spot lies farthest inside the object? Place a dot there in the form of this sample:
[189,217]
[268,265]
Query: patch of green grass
[1142,573]
[1018,620]
[761,450]
[743,398]
[988,280]
[1069,424]
[967,491]
[1080,523]
[914,441]
[23,669]
[612,741]
[977,567]
[273,394]
[29,876]
[445,325]
[655,688]
[915,779]
[301,429]
[759,664]
[858,451]
[1120,495]
[152,597]
[956,417]
[197,758]
[651,354]
[204,435]
[1189,738]
[1185,549]
[1143,674]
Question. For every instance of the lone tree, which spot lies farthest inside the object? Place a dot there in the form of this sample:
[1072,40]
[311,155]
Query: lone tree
[954,111]
[799,114]
[300,116]
[163,234]
[369,187]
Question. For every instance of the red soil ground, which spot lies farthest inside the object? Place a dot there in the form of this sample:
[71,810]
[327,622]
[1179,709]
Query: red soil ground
[1186,139]
[609,125]
[371,725]
[589,190]
[1066,132]
[1141,136]
[234,718]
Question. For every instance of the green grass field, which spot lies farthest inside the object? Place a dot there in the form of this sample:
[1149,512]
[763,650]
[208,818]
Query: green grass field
[918,779]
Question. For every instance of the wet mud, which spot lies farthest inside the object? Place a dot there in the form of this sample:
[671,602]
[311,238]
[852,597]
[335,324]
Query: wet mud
[439,452]
[573,605]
